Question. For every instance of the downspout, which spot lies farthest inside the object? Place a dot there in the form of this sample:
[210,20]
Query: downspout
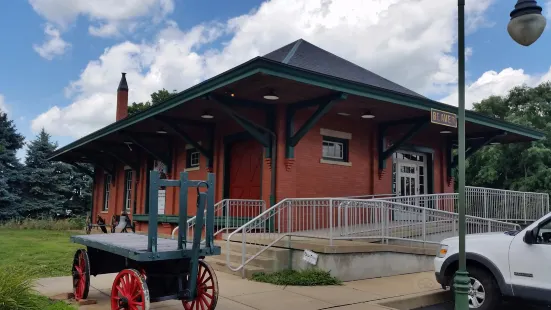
[274,166]
[92,198]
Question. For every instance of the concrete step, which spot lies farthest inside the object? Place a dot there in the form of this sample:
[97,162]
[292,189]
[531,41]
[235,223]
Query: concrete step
[252,249]
[263,262]
[219,264]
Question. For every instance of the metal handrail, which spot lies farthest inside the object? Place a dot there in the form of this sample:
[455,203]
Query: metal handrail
[229,238]
[497,204]
[380,207]
[228,203]
[193,219]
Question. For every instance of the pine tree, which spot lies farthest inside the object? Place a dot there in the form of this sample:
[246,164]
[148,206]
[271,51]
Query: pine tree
[45,191]
[10,168]
[81,184]
[51,188]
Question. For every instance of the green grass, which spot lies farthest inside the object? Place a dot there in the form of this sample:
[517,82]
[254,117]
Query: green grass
[16,291]
[47,253]
[309,277]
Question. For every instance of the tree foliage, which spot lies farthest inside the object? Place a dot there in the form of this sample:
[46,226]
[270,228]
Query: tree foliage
[156,98]
[51,188]
[519,166]
[10,168]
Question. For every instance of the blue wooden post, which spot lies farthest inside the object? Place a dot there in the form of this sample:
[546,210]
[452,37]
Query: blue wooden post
[199,222]
[154,178]
[209,242]
[182,218]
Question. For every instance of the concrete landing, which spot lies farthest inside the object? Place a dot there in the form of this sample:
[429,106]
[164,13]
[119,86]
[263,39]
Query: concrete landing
[242,294]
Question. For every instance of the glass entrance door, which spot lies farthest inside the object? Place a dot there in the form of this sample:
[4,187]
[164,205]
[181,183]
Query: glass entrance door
[408,175]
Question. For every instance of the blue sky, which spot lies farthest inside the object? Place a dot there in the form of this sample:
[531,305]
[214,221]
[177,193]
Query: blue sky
[67,86]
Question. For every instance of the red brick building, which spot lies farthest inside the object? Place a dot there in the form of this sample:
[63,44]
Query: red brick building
[297,122]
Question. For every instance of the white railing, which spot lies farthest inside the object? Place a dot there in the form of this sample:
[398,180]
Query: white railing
[497,204]
[233,213]
[391,221]
[375,196]
[339,218]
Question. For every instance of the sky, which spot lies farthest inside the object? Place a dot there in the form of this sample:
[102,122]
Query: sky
[61,60]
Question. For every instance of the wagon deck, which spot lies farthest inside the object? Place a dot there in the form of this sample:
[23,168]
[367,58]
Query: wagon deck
[134,246]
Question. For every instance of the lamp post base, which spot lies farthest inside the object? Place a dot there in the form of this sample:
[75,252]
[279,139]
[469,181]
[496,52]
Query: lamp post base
[462,285]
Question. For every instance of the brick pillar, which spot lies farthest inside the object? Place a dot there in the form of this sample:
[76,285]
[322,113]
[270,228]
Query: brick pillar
[286,170]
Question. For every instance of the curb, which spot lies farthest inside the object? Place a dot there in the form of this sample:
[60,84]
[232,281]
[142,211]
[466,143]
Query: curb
[418,300]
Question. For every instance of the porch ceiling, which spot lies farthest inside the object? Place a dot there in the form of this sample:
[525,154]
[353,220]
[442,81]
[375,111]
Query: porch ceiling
[249,82]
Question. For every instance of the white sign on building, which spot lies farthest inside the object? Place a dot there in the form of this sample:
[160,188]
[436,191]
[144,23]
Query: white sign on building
[161,201]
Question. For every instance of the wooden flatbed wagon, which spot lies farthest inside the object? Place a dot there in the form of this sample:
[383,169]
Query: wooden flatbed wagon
[152,269]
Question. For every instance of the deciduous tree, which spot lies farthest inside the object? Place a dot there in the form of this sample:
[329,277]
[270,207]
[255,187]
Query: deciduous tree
[156,98]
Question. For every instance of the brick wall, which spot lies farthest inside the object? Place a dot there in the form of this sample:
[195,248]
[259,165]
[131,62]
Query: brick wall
[302,176]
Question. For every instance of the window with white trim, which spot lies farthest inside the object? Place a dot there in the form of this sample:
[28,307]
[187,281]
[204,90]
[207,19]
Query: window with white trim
[192,158]
[335,149]
[127,189]
[106,191]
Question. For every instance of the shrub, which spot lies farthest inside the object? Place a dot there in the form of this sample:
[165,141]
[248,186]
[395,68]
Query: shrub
[74,223]
[309,277]
[16,292]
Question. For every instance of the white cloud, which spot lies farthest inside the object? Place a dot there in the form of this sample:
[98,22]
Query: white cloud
[54,44]
[109,16]
[407,41]
[3,105]
[492,83]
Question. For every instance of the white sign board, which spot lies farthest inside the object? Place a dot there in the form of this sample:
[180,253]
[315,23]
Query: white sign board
[161,201]
[310,257]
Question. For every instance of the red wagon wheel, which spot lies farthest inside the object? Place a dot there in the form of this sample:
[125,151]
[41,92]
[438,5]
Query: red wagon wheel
[129,291]
[207,289]
[81,274]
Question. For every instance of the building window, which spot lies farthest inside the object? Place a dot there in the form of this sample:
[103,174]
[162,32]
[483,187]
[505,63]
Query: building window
[127,189]
[335,149]
[192,158]
[106,191]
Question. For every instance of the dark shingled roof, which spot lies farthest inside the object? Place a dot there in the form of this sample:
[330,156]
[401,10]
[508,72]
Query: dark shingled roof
[305,55]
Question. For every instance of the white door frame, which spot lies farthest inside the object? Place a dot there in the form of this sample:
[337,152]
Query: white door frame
[409,175]
[412,162]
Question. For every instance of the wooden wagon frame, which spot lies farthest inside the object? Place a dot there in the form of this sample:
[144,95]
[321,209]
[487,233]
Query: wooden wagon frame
[153,269]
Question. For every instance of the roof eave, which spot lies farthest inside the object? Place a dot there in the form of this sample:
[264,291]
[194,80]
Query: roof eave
[270,67]
[274,68]
[244,70]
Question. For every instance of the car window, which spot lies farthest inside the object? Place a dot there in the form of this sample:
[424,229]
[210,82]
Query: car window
[544,233]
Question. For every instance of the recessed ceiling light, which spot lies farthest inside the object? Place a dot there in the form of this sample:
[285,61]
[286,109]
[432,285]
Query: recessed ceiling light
[368,115]
[445,131]
[343,114]
[161,131]
[271,95]
[207,115]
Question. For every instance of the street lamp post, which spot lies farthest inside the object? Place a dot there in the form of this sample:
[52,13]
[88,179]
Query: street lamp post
[525,27]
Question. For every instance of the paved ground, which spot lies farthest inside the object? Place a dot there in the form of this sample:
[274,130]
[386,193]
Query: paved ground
[506,306]
[241,294]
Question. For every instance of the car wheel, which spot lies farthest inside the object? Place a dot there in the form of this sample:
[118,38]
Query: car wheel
[484,293]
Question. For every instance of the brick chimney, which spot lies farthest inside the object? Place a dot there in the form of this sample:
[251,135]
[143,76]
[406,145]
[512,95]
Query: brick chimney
[122,98]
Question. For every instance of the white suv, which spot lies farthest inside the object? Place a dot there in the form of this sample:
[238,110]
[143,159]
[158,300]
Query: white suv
[506,264]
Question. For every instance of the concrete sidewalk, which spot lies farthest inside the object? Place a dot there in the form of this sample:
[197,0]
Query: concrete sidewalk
[241,294]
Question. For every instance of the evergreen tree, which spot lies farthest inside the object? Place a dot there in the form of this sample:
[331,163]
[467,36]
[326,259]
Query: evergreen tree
[46,192]
[10,168]
[81,184]
[51,188]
